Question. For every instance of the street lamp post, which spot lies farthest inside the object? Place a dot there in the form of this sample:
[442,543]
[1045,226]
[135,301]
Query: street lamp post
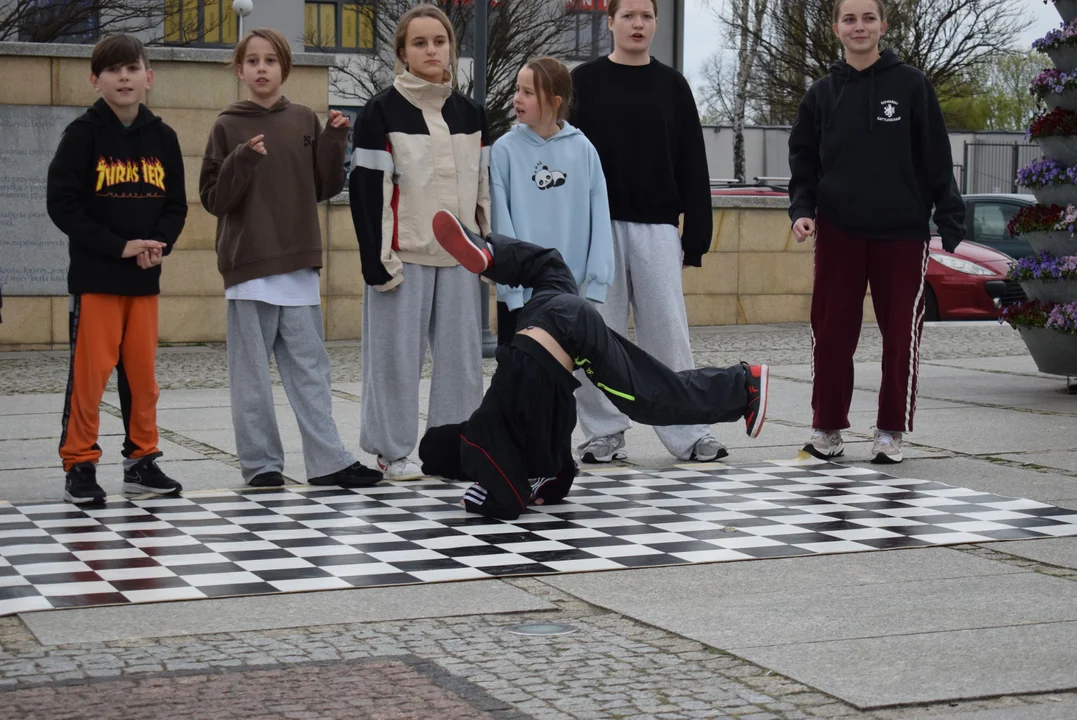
[242,8]
[478,92]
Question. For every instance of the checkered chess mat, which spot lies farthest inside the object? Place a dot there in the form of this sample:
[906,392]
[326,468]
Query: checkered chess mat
[242,542]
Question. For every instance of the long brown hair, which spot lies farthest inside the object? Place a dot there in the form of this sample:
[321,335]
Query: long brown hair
[400,39]
[552,80]
[274,38]
[878,4]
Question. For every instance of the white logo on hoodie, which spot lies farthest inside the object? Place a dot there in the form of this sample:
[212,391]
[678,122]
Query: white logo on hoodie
[889,111]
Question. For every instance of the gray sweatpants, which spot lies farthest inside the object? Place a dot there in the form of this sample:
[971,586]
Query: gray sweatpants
[294,336]
[647,277]
[435,305]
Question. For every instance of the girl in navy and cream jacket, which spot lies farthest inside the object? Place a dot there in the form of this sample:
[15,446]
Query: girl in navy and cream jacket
[420,147]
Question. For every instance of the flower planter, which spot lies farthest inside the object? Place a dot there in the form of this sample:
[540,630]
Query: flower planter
[1060,147]
[1062,194]
[1061,291]
[1067,9]
[1064,57]
[1057,242]
[1065,100]
[1055,353]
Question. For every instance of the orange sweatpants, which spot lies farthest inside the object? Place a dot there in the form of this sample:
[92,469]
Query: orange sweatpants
[111,331]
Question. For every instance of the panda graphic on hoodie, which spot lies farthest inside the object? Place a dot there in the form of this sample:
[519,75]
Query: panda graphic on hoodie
[546,178]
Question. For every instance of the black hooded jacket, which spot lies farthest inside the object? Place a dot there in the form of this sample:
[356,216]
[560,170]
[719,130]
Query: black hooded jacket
[869,151]
[109,184]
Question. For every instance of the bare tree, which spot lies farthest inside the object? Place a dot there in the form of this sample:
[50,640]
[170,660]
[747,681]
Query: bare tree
[518,31]
[947,39]
[72,20]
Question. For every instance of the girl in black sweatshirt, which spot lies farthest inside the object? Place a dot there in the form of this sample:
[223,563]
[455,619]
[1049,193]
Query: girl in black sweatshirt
[869,156]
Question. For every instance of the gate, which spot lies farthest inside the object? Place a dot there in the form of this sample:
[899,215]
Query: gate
[992,167]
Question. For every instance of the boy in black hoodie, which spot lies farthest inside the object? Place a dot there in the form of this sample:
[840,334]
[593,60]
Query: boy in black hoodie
[869,156]
[116,189]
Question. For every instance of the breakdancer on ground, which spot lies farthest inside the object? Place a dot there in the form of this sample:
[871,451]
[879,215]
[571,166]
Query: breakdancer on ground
[516,447]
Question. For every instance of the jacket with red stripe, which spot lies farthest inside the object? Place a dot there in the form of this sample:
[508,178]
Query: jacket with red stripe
[418,148]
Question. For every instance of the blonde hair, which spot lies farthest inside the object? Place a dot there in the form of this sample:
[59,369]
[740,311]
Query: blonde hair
[552,80]
[274,38]
[400,39]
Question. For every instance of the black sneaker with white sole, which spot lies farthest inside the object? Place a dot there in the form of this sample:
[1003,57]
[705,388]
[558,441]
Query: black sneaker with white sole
[81,486]
[145,477]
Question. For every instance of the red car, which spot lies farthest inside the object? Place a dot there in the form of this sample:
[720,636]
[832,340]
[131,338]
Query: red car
[969,284]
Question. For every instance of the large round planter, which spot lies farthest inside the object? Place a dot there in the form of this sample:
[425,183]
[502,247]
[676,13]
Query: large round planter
[1064,57]
[1066,100]
[1067,9]
[1062,148]
[1055,353]
[1060,291]
[1062,194]
[1057,242]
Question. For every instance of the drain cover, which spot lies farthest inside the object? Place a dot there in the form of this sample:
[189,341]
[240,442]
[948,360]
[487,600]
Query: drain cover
[543,629]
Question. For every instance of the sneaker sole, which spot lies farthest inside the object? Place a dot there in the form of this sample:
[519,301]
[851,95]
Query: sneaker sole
[723,453]
[761,415]
[451,236]
[884,459]
[403,478]
[136,489]
[591,458]
[810,449]
[68,497]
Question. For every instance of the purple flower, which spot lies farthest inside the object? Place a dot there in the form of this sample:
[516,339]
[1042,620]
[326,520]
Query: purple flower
[1062,318]
[1045,171]
[1064,35]
[1044,266]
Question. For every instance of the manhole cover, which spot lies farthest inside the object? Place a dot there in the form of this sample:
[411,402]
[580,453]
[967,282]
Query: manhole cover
[542,629]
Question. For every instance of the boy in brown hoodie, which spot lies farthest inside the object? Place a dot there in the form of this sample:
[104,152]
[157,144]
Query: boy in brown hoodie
[268,164]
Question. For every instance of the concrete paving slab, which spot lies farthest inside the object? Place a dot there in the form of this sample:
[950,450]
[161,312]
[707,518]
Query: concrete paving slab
[48,425]
[819,610]
[932,667]
[31,404]
[1056,551]
[331,607]
[1010,364]
[1066,710]
[995,432]
[740,579]
[42,452]
[1061,459]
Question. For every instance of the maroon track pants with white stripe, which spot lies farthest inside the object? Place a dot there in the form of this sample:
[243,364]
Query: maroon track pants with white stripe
[844,266]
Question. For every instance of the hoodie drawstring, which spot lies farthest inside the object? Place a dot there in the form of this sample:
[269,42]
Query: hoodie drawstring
[844,82]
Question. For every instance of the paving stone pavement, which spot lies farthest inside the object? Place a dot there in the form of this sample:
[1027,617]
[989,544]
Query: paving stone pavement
[205,366]
[466,667]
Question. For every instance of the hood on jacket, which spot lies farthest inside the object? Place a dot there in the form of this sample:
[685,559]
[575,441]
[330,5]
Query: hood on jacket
[251,108]
[101,115]
[846,73]
[530,136]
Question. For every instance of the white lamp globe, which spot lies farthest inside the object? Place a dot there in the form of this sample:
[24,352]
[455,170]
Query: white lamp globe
[242,8]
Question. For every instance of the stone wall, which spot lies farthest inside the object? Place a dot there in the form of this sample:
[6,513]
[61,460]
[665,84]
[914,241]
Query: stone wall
[754,273]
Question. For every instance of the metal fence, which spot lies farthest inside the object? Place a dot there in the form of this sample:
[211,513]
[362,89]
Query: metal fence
[992,167]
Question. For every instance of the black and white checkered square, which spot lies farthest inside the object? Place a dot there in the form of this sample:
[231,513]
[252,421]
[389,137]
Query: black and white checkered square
[241,542]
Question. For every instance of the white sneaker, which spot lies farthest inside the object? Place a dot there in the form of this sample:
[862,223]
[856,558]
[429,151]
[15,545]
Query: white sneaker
[825,444]
[604,449]
[708,449]
[886,450]
[402,469]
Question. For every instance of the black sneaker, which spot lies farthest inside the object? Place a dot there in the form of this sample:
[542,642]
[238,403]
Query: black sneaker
[81,486]
[267,479]
[356,475]
[145,477]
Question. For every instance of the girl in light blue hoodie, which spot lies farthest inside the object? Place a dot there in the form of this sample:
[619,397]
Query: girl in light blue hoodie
[547,187]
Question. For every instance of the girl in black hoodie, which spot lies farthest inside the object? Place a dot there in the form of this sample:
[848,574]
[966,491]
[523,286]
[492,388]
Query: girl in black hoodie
[869,156]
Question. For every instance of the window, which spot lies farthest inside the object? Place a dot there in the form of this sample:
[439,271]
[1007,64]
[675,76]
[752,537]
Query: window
[200,22]
[339,25]
[588,34]
[990,221]
[66,21]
